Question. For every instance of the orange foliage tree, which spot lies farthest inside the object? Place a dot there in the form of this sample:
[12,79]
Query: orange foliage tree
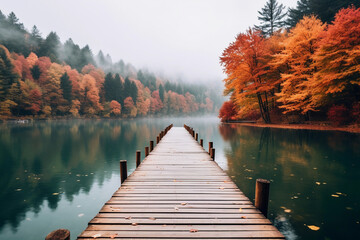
[245,62]
[227,111]
[299,48]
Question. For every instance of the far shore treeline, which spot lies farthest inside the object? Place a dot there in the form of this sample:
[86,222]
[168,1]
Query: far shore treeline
[305,67]
[43,78]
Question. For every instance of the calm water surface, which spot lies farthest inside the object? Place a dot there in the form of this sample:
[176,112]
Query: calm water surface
[58,174]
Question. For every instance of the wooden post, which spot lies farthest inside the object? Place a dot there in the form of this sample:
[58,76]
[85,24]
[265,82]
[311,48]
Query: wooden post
[151,145]
[212,155]
[60,234]
[202,142]
[210,147]
[262,195]
[193,133]
[196,136]
[138,156]
[123,171]
[146,151]
[157,139]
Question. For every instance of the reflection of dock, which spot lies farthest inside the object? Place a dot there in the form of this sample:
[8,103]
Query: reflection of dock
[179,192]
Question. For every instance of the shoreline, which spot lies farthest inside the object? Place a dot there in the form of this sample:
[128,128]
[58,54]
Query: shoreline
[351,128]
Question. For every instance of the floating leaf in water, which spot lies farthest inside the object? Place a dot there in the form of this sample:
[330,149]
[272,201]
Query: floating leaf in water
[315,168]
[80,215]
[18,190]
[55,193]
[334,195]
[348,208]
[193,230]
[318,183]
[287,210]
[313,227]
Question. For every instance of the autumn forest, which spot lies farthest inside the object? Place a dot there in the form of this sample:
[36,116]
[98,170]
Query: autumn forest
[44,78]
[304,69]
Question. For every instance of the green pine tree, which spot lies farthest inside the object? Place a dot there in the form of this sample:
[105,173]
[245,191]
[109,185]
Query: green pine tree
[271,17]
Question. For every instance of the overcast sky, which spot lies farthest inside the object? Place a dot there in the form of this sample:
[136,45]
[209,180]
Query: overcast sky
[178,37]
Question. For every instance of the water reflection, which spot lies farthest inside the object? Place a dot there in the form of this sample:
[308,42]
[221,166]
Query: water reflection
[313,174]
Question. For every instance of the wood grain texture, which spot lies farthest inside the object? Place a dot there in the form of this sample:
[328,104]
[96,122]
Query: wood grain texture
[178,192]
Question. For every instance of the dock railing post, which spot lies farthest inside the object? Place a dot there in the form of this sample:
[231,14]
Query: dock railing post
[196,136]
[202,142]
[157,139]
[210,147]
[59,234]
[123,170]
[151,145]
[262,195]
[212,155]
[146,151]
[138,157]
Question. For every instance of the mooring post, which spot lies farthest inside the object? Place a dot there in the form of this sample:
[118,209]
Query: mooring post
[151,145]
[146,151]
[59,234]
[210,147]
[196,136]
[157,139]
[138,156]
[123,171]
[212,155]
[262,195]
[193,133]
[202,142]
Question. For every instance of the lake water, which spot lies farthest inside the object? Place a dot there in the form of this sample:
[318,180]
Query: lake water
[58,174]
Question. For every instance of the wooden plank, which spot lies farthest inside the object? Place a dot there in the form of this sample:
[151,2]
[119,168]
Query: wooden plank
[177,188]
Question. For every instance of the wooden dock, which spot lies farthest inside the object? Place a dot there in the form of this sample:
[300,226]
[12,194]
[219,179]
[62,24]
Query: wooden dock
[179,192]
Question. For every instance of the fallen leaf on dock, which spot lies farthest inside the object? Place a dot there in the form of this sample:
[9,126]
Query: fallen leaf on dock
[313,227]
[113,236]
[97,235]
[134,224]
[183,203]
[240,209]
[243,217]
[128,217]
[152,218]
[176,208]
[193,230]
[221,188]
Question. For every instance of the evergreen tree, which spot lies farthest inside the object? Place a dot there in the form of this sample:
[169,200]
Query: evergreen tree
[35,40]
[296,14]
[109,87]
[271,17]
[35,72]
[7,76]
[133,91]
[50,47]
[161,92]
[118,88]
[86,57]
[71,54]
[127,87]
[66,86]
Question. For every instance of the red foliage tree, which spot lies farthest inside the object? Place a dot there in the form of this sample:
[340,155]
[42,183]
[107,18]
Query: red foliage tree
[227,111]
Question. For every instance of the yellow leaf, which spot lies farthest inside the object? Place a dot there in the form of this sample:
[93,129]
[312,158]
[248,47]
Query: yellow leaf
[313,227]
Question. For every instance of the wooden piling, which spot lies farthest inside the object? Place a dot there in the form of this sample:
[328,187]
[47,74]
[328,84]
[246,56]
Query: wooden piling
[146,151]
[59,234]
[212,155]
[151,145]
[138,157]
[202,142]
[123,170]
[157,139]
[210,147]
[262,191]
[196,136]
